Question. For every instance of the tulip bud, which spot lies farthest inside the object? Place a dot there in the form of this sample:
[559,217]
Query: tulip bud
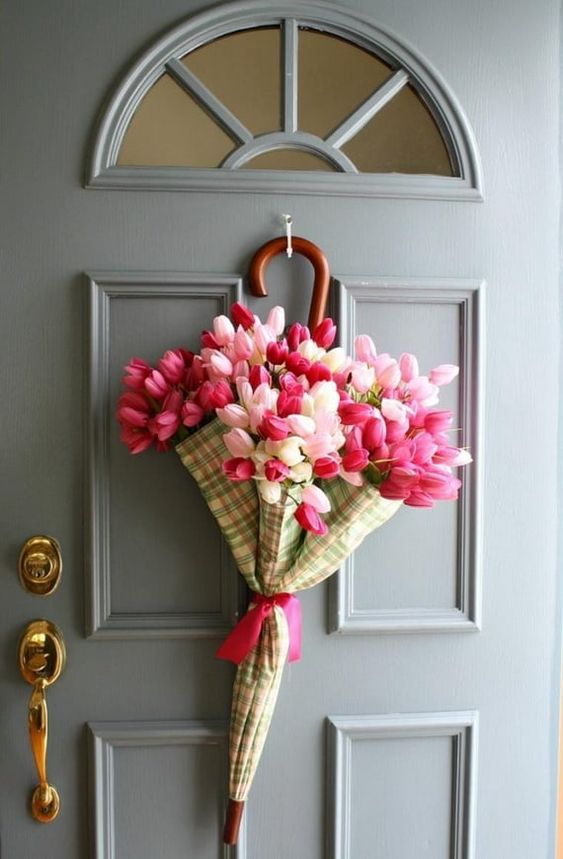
[326,467]
[276,320]
[310,520]
[325,333]
[238,469]
[275,470]
[241,315]
[356,460]
[258,376]
[192,414]
[443,374]
[318,499]
[276,353]
[239,443]
[365,349]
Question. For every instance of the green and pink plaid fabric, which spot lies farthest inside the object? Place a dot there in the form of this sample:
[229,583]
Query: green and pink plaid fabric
[275,556]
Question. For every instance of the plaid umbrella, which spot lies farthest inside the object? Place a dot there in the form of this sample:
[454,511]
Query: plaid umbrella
[276,558]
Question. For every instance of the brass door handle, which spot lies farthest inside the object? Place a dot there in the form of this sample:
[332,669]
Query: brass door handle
[42,657]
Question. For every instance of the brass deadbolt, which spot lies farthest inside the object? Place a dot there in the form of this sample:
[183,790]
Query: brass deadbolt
[40,565]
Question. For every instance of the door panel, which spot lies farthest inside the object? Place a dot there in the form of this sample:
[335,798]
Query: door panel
[142,689]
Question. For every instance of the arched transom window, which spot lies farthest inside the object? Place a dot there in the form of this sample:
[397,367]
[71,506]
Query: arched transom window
[239,101]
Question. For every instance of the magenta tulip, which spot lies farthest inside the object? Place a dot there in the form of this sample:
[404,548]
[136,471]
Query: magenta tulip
[276,353]
[310,520]
[241,315]
[326,467]
[355,413]
[238,469]
[325,333]
[274,428]
[192,414]
[356,460]
[275,470]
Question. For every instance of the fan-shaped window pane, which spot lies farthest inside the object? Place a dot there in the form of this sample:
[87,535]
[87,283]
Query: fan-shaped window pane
[401,138]
[285,97]
[169,128]
[289,159]
[335,77]
[243,70]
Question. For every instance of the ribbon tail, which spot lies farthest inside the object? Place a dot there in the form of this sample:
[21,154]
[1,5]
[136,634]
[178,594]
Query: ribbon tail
[243,637]
[292,611]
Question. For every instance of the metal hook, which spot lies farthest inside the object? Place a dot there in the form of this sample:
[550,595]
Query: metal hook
[288,220]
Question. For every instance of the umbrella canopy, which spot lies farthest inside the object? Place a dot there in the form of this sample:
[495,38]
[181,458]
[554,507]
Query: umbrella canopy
[277,558]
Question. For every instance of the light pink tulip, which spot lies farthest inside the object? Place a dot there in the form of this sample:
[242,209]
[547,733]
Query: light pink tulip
[443,374]
[393,410]
[315,496]
[263,335]
[408,366]
[387,371]
[239,443]
[243,345]
[223,330]
[234,415]
[276,320]
[365,349]
[362,377]
[317,446]
[220,363]
[301,425]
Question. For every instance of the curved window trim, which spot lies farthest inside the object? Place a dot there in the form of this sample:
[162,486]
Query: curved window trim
[104,172]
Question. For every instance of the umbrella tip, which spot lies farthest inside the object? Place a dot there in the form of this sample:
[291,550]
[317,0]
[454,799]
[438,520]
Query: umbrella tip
[233,820]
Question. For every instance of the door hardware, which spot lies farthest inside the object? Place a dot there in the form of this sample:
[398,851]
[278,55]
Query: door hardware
[40,565]
[42,657]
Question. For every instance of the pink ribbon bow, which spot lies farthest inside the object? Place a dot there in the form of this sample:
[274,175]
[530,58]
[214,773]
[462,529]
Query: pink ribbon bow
[246,633]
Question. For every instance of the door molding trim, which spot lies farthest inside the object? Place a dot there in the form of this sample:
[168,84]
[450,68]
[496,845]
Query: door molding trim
[101,620]
[104,737]
[103,171]
[469,296]
[344,731]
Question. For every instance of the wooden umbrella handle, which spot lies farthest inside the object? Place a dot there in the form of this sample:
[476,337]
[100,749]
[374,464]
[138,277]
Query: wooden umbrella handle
[315,256]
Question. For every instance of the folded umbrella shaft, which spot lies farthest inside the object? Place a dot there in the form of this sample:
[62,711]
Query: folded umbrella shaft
[276,558]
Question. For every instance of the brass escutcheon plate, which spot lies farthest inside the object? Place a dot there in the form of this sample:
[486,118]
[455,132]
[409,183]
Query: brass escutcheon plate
[40,565]
[42,652]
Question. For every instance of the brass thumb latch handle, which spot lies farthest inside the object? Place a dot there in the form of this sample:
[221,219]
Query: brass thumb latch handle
[42,657]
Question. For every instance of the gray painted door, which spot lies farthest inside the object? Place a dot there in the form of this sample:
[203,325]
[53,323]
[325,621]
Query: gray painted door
[421,734]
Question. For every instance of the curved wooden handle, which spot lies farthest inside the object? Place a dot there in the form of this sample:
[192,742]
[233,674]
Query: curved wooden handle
[315,256]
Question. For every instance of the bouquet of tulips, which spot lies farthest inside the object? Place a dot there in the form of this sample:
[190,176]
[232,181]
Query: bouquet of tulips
[300,451]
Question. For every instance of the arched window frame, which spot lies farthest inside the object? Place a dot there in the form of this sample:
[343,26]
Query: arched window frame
[104,172]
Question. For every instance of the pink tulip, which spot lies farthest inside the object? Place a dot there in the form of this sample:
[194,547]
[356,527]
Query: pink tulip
[374,432]
[362,377]
[408,366]
[365,349]
[288,404]
[241,368]
[290,383]
[424,448]
[259,376]
[221,395]
[438,421]
[440,485]
[393,410]
[326,467]
[417,498]
[452,456]
[172,365]
[422,390]
[167,423]
[241,315]
[220,363]
[195,374]
[297,334]
[318,372]
[396,430]
[356,460]
[301,425]
[192,414]
[234,415]
[317,446]
[263,335]
[276,320]
[223,330]
[325,333]
[276,353]
[316,498]
[238,469]
[297,364]
[400,483]
[137,440]
[355,413]
[443,374]
[208,340]
[132,417]
[387,371]
[310,520]
[137,371]
[156,385]
[275,470]
[239,443]
[135,400]
[243,345]
[273,428]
